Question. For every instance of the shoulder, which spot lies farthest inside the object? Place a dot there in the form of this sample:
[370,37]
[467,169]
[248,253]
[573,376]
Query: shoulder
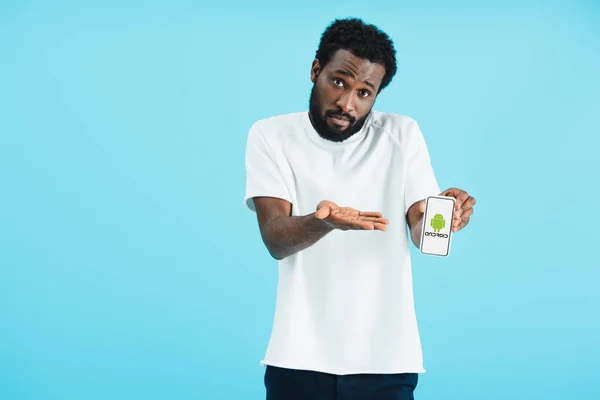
[273,128]
[392,121]
[402,129]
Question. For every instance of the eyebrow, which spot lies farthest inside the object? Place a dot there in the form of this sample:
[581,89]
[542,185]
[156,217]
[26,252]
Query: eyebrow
[351,75]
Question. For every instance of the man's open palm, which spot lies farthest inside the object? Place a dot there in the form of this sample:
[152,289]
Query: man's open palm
[346,218]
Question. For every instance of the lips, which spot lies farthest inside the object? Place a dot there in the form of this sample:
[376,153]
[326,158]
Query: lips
[340,121]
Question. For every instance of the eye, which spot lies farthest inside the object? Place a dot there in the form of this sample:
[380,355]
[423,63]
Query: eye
[365,93]
[338,82]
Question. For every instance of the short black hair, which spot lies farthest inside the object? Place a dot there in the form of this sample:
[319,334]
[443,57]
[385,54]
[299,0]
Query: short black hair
[361,39]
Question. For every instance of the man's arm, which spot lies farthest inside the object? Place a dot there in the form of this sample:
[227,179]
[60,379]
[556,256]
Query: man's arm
[283,234]
[415,221]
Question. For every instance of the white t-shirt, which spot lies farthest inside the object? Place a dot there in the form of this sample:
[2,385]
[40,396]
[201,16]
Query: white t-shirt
[345,304]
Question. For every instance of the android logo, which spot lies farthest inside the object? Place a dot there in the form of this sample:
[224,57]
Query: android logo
[438,222]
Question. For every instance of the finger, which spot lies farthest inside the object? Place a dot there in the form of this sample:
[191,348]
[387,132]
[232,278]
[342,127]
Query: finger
[453,192]
[458,194]
[461,198]
[368,226]
[463,212]
[461,225]
[329,205]
[380,227]
[467,214]
[469,203]
[422,206]
[456,222]
[324,203]
[323,212]
[373,219]
[464,223]
[370,214]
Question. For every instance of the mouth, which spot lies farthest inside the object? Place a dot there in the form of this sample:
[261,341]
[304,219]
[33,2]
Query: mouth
[339,121]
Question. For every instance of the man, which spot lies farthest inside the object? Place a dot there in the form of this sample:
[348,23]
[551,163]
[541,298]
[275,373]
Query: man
[344,324]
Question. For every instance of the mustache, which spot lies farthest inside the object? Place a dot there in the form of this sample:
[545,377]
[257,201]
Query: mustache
[341,115]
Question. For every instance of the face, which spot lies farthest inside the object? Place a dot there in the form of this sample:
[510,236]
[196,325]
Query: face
[343,94]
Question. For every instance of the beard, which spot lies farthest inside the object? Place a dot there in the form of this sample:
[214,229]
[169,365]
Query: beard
[319,120]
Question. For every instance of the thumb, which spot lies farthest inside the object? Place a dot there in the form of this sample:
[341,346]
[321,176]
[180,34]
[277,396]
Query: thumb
[323,210]
[422,206]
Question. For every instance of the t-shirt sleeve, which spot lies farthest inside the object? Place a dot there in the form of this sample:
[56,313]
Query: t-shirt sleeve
[263,175]
[420,180]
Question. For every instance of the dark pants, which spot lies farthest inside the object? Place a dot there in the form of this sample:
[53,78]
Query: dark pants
[291,384]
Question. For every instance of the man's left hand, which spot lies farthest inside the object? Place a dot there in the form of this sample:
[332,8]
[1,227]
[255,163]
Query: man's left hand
[463,208]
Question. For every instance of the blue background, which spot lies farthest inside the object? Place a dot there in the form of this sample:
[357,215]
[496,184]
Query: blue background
[129,268]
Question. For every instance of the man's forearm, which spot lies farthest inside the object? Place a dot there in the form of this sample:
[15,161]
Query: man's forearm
[285,236]
[415,232]
[415,223]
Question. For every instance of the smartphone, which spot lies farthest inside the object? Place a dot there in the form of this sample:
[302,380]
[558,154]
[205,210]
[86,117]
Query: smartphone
[436,233]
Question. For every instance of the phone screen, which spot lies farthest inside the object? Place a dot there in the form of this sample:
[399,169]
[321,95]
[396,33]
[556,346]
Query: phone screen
[437,226]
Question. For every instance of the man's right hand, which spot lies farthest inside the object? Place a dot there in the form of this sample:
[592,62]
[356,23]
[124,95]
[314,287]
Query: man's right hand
[346,218]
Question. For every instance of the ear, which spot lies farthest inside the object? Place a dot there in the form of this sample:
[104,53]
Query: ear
[314,70]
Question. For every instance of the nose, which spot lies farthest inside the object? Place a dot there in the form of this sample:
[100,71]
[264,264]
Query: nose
[346,102]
